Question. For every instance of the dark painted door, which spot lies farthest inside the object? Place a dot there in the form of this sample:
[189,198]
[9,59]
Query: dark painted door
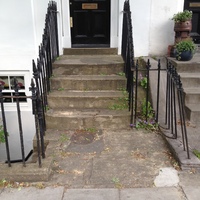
[194,6]
[90,23]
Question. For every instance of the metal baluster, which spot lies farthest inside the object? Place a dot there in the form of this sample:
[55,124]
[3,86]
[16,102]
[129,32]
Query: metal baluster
[16,89]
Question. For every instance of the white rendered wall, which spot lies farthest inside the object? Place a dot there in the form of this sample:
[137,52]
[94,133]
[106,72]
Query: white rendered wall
[161,26]
[141,13]
[21,24]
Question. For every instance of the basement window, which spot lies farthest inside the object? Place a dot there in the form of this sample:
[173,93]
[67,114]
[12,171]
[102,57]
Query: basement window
[7,82]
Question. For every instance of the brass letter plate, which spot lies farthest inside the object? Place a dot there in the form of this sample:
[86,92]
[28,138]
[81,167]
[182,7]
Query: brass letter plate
[194,4]
[89,6]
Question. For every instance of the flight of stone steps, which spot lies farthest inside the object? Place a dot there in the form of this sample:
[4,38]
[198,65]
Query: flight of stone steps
[88,91]
[190,78]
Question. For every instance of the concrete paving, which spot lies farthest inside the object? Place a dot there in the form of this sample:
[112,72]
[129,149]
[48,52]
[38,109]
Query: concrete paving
[61,193]
[120,165]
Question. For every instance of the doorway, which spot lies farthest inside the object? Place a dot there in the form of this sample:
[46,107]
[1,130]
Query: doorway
[90,23]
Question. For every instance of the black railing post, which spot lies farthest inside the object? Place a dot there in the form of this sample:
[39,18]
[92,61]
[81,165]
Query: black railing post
[158,92]
[148,66]
[34,99]
[16,89]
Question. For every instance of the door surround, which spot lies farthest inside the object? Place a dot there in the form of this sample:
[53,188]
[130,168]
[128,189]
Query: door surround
[65,23]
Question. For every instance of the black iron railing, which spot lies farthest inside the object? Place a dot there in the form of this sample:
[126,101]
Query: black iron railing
[142,113]
[40,87]
[127,51]
[15,97]
[174,112]
[42,72]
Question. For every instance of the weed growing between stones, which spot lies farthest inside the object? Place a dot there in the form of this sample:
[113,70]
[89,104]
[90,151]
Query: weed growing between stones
[196,153]
[60,89]
[143,81]
[117,183]
[122,101]
[146,117]
[121,74]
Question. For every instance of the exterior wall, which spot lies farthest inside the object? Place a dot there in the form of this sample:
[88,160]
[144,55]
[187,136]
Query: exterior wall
[161,26]
[152,27]
[22,24]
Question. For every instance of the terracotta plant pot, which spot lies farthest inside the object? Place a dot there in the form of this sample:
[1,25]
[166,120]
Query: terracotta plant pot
[183,26]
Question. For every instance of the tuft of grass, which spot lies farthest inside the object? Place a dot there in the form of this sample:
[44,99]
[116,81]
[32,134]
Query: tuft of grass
[60,89]
[196,153]
[91,130]
[64,138]
[121,74]
[122,102]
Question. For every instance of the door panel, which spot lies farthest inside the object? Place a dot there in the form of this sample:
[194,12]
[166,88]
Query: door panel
[194,6]
[90,22]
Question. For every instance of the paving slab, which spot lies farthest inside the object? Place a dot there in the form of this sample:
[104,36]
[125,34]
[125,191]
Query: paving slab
[91,194]
[112,160]
[152,194]
[192,193]
[32,193]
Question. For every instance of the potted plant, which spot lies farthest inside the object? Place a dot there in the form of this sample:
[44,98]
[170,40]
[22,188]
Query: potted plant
[185,50]
[183,21]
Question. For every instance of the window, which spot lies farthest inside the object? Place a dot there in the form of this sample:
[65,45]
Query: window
[7,82]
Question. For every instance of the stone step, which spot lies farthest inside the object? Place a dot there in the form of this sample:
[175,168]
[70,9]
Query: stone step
[193,112]
[190,80]
[85,99]
[192,95]
[88,82]
[192,66]
[89,51]
[88,118]
[88,65]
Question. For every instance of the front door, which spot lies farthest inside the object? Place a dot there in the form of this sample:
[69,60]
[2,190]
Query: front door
[90,23]
[194,6]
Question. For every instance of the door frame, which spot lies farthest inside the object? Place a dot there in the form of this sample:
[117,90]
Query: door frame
[114,24]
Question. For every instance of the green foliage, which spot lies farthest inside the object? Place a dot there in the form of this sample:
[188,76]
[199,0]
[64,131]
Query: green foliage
[185,45]
[47,108]
[103,74]
[150,125]
[64,138]
[147,109]
[2,135]
[143,82]
[121,74]
[196,153]
[122,102]
[146,121]
[91,130]
[182,16]
[60,89]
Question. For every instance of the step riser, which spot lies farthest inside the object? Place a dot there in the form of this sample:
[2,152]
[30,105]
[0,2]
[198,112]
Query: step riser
[90,51]
[186,67]
[85,85]
[190,82]
[192,116]
[87,69]
[189,68]
[192,99]
[99,122]
[82,102]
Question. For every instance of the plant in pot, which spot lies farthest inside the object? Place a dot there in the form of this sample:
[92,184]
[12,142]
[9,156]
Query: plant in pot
[183,21]
[185,50]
